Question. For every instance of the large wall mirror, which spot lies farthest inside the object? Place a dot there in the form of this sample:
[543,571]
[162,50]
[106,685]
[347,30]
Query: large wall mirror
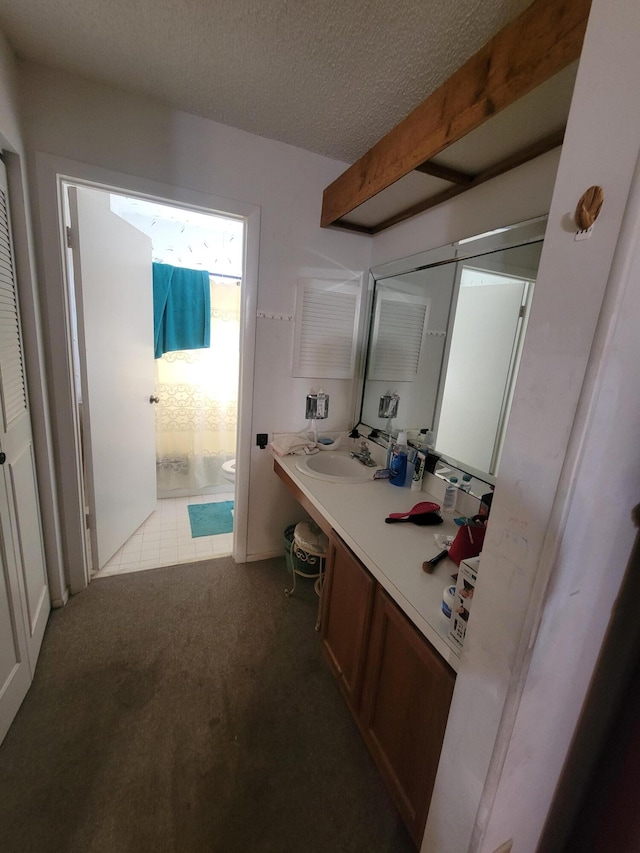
[445,337]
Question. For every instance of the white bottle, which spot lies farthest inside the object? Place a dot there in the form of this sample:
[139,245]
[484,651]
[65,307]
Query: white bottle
[398,464]
[401,441]
[465,485]
[450,495]
[390,446]
[418,472]
[411,466]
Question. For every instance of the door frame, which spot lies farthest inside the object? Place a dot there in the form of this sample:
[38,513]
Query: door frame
[52,173]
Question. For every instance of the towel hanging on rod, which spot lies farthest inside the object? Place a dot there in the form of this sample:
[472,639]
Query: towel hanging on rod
[181,309]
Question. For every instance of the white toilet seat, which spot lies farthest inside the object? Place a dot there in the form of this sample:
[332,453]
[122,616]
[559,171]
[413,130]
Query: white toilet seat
[229,470]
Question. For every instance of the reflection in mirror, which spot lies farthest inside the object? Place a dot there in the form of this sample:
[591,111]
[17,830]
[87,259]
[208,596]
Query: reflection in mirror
[406,346]
[494,295]
[445,339]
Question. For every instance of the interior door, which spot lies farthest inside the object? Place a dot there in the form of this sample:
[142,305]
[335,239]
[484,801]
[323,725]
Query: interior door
[114,298]
[485,329]
[24,597]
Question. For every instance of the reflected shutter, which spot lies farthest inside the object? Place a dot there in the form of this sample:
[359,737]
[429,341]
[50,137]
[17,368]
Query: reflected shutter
[399,327]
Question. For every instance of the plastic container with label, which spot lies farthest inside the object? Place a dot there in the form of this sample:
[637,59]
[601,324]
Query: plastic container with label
[398,464]
[450,495]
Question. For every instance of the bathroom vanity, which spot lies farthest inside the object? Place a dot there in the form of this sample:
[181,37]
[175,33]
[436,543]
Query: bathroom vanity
[383,631]
[445,333]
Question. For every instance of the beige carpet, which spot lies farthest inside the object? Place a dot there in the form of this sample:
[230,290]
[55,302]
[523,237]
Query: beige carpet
[189,709]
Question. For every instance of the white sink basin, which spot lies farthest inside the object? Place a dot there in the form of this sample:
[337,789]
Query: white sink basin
[334,468]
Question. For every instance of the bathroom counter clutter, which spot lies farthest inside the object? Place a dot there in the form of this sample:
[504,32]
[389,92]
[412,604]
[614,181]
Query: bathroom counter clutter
[392,553]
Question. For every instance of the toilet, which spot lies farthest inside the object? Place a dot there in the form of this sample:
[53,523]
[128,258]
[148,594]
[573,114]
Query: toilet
[229,470]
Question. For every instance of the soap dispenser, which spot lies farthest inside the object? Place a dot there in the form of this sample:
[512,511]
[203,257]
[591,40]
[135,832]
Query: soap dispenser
[316,408]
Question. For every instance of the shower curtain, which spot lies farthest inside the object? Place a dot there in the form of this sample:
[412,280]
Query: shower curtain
[197,413]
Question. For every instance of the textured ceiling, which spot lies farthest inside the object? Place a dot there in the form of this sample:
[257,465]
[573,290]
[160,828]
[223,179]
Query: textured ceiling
[330,76]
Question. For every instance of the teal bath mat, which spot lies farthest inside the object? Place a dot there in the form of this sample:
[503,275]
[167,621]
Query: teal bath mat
[210,519]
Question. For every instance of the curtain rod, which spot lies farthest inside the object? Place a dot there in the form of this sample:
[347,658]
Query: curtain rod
[223,275]
[210,274]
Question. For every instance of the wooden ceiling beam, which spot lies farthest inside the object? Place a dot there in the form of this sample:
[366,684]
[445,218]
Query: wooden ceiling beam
[345,225]
[517,159]
[443,172]
[539,43]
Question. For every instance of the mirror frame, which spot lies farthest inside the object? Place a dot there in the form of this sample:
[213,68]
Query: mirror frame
[507,237]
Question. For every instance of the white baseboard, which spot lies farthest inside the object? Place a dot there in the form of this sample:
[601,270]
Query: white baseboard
[267,555]
[56,603]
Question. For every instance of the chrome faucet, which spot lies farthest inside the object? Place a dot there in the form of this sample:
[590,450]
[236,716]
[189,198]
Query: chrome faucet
[364,455]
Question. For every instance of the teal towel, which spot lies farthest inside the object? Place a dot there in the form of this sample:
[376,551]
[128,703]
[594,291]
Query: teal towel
[162,274]
[181,309]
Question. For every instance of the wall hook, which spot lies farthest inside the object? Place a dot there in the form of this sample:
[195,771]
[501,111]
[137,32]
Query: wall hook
[589,207]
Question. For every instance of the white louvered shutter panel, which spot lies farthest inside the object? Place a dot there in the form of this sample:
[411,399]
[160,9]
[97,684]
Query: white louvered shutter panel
[24,598]
[12,384]
[325,337]
[399,328]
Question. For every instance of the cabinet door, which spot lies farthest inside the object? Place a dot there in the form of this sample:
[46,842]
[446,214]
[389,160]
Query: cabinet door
[405,703]
[346,618]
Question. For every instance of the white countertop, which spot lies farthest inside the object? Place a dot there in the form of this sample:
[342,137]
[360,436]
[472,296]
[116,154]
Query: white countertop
[393,553]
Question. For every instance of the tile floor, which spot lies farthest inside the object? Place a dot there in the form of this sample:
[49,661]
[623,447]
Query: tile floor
[165,539]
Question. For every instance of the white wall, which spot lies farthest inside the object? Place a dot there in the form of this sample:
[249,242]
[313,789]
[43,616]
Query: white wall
[75,119]
[9,114]
[589,530]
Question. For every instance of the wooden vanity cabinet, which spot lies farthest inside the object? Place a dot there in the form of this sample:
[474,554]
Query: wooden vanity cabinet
[406,696]
[347,607]
[398,687]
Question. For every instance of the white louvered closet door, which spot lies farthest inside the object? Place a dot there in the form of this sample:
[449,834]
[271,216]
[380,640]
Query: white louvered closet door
[24,598]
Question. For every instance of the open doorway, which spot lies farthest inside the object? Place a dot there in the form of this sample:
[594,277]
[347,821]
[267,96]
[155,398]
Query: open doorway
[191,392]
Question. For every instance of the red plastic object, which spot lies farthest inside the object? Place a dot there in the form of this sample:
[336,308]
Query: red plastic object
[468,542]
[418,509]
